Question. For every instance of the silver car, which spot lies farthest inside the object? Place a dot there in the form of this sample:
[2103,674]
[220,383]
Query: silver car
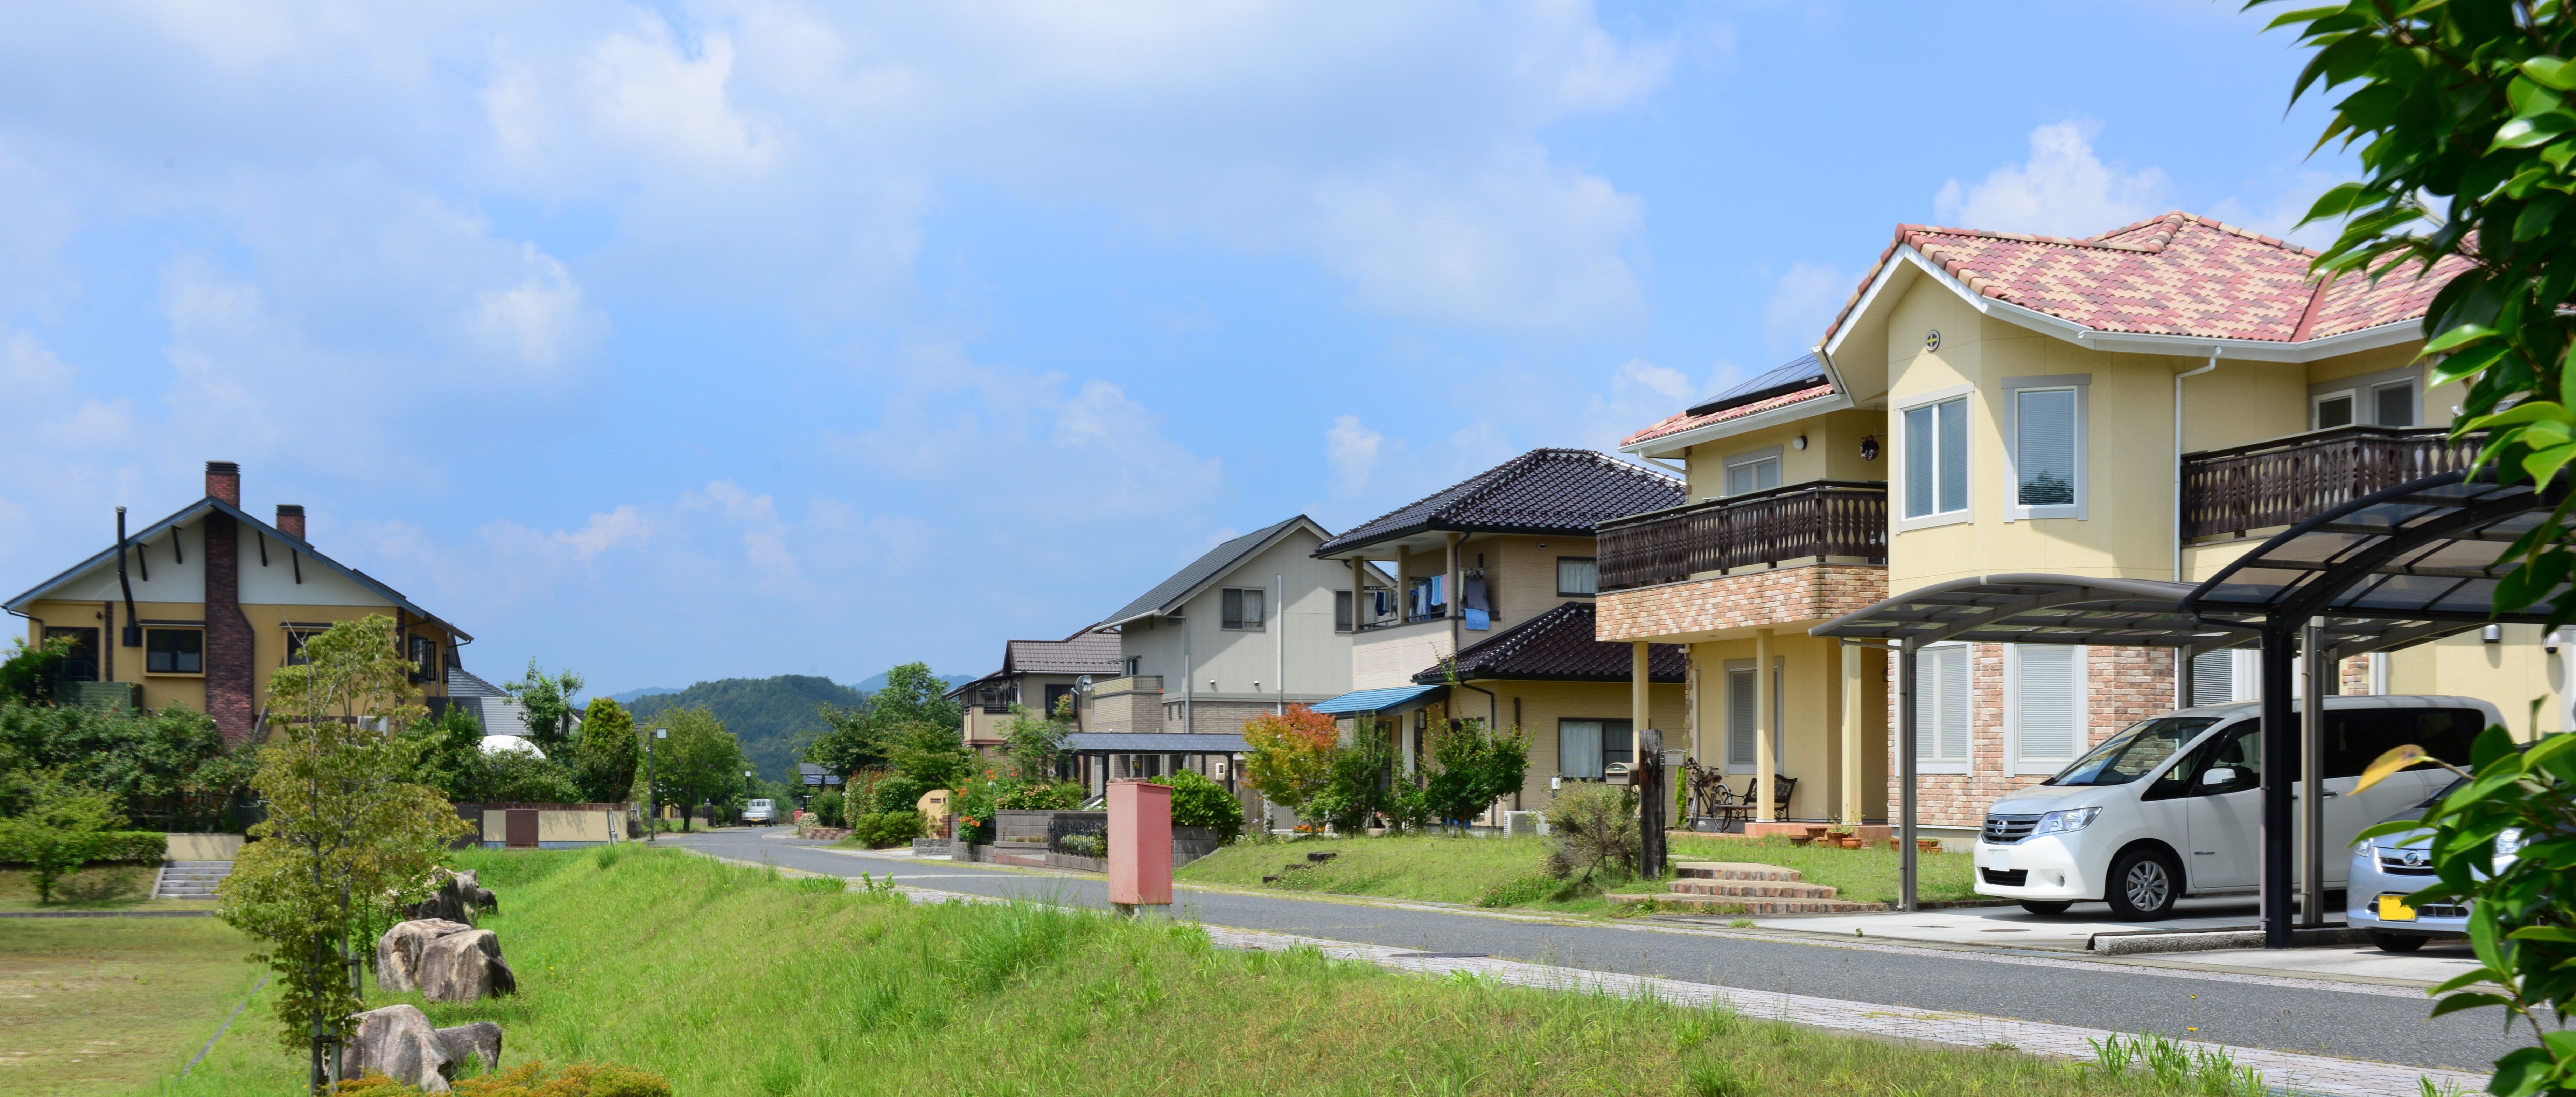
[2386,869]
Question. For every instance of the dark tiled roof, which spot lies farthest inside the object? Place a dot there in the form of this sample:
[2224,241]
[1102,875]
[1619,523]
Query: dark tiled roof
[1799,376]
[1559,646]
[1208,568]
[1089,653]
[1560,491]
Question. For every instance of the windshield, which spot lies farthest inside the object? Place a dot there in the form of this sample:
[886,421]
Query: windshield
[2134,752]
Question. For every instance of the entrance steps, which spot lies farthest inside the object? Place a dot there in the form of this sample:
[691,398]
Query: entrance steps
[1723,887]
[190,879]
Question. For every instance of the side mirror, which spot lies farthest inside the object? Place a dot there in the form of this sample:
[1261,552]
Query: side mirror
[2219,775]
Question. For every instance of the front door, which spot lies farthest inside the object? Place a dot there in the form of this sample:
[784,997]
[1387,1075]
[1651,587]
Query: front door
[2226,817]
[520,828]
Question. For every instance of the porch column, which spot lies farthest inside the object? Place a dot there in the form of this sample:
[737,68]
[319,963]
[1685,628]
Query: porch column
[1851,731]
[1906,718]
[1766,764]
[1359,590]
[1639,715]
[2312,741]
[2278,713]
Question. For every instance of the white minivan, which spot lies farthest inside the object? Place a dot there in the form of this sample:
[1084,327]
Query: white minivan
[2171,805]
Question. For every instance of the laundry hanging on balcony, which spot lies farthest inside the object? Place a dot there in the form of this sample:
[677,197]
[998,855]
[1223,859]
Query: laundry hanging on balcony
[1479,617]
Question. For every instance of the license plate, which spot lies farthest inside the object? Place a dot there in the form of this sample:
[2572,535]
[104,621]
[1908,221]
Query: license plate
[1999,860]
[2394,909]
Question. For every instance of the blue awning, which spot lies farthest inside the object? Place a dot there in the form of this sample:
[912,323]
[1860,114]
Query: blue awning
[1392,701]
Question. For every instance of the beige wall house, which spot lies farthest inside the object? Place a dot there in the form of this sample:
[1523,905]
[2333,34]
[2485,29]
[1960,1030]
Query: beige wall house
[200,607]
[2147,404]
[1035,674]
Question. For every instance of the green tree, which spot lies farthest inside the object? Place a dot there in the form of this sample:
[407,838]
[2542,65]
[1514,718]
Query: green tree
[350,837]
[851,741]
[27,674]
[451,754]
[60,831]
[1474,767]
[1290,756]
[1199,802]
[137,758]
[548,701]
[915,695]
[933,754]
[1034,743]
[698,763]
[604,764]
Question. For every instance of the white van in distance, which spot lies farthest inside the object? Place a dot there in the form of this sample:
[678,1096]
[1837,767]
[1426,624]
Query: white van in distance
[2172,805]
[760,811]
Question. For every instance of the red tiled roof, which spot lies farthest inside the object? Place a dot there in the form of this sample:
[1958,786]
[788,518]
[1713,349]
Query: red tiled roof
[2178,274]
[1559,645]
[1682,421]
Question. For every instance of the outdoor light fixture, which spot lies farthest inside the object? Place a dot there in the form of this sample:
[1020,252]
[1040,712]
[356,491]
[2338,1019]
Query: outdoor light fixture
[1799,442]
[1869,448]
[2552,640]
[2493,634]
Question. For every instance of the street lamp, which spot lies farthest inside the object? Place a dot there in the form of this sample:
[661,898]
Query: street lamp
[746,791]
[652,798]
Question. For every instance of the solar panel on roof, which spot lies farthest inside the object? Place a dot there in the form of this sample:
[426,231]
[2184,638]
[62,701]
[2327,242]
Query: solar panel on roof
[1805,373]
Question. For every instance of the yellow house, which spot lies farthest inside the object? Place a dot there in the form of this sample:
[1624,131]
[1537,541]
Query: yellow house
[2147,404]
[201,607]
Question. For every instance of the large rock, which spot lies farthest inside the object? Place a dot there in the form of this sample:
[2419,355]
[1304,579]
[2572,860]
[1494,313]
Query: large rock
[462,967]
[455,897]
[469,1043]
[398,951]
[397,1041]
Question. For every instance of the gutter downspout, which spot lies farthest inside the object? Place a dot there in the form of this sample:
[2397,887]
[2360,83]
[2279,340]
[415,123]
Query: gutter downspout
[1279,641]
[1188,695]
[2177,474]
[132,636]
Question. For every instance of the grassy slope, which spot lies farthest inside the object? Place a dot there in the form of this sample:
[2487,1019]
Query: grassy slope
[101,1005]
[99,887]
[1460,870]
[732,981]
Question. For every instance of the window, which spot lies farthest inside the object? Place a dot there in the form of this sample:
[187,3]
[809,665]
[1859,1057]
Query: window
[295,638]
[1941,708]
[1578,575]
[1055,695]
[2333,409]
[80,664]
[2045,705]
[2394,405]
[1936,458]
[1585,748]
[1740,722]
[424,659]
[1342,611]
[1243,607]
[1752,472]
[2044,445]
[1135,665]
[174,651]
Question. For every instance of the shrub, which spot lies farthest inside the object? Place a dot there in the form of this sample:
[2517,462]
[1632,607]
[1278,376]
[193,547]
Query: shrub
[1290,759]
[898,793]
[827,808]
[110,847]
[1199,802]
[1592,828]
[1476,767]
[1011,796]
[1085,845]
[883,829]
[65,829]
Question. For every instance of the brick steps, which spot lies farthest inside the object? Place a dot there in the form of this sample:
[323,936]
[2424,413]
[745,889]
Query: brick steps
[1746,888]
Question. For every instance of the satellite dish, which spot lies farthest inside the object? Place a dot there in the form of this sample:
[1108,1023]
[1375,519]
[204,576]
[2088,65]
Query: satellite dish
[1082,684]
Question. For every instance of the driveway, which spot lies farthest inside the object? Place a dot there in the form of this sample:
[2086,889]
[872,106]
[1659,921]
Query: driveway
[2315,1012]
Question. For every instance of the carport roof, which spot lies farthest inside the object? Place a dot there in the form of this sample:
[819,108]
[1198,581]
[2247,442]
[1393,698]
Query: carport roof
[2044,609]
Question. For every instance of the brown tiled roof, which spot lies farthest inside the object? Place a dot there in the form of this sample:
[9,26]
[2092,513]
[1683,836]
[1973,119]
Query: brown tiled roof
[1559,491]
[1558,646]
[2178,274]
[1682,421]
[1088,653]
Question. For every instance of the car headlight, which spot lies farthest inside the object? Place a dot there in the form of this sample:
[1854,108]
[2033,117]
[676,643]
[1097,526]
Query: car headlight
[2061,822]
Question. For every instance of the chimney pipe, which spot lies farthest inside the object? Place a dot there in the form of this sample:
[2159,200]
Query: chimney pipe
[223,481]
[290,520]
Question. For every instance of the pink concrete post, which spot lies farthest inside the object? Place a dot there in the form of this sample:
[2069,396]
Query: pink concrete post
[1140,847]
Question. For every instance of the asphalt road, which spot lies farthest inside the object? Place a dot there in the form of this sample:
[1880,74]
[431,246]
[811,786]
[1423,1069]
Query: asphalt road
[2353,1021]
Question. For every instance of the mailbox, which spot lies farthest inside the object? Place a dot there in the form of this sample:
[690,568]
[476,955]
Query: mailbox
[1617,773]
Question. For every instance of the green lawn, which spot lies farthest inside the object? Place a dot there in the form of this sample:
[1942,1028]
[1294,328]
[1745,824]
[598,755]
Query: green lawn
[1506,871]
[99,887]
[733,981]
[103,1005]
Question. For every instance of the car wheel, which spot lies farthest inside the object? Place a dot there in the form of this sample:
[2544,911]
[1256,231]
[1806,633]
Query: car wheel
[2037,907]
[2397,942]
[2144,884]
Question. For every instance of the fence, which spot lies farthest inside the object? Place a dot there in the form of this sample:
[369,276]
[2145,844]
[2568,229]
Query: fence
[2265,485]
[1817,519]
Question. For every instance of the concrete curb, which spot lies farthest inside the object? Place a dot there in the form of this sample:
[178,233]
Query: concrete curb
[2212,940]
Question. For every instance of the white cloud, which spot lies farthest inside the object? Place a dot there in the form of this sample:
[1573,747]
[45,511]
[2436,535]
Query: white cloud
[1352,451]
[1802,303]
[606,531]
[2273,206]
[1521,245]
[2062,190]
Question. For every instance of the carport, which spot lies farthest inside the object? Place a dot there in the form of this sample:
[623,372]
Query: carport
[2399,567]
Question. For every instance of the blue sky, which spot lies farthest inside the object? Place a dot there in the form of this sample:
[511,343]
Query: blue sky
[691,340]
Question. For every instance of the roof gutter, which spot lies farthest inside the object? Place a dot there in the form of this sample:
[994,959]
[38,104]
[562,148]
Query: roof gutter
[133,635]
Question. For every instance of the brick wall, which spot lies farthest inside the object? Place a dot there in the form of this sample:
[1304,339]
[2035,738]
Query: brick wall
[2123,685]
[1807,592]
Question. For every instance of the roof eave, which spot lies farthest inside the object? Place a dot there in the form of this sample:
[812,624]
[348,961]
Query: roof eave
[1681,440]
[1346,552]
[1484,676]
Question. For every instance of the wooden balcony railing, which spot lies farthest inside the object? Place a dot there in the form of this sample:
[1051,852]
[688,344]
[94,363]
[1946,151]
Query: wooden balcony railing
[1819,518]
[2233,491]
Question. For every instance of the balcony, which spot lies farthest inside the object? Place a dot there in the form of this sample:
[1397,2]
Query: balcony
[2265,485]
[1817,519]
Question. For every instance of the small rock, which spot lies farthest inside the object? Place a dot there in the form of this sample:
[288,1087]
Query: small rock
[398,951]
[398,1042]
[462,967]
[468,1043]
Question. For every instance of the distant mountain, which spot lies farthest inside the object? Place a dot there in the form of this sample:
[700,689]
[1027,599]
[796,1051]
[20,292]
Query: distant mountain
[954,680]
[769,715]
[633,695]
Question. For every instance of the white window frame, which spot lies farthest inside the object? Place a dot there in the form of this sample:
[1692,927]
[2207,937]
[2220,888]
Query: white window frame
[2316,403]
[2082,385]
[1896,459]
[1924,762]
[2364,388]
[1779,722]
[1726,469]
[2014,761]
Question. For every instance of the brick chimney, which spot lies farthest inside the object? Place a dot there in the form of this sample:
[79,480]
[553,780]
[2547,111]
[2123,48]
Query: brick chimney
[223,481]
[290,520]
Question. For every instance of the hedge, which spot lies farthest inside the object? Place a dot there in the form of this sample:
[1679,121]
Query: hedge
[139,846]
